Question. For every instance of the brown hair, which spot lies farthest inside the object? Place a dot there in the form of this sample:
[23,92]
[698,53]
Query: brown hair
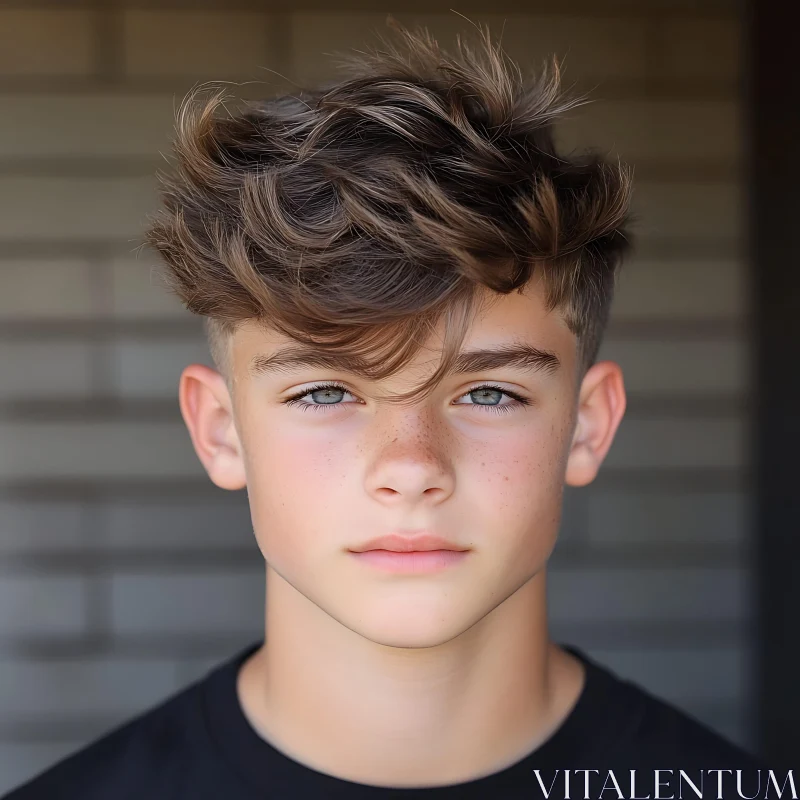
[356,216]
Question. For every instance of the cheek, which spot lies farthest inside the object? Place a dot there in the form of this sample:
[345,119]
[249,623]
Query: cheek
[294,482]
[520,462]
[519,480]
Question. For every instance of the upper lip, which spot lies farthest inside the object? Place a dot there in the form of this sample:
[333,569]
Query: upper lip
[407,543]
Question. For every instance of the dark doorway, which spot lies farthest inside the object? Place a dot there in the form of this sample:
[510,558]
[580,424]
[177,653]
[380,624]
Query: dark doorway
[773,89]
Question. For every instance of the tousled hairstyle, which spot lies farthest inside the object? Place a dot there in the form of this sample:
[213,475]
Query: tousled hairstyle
[358,216]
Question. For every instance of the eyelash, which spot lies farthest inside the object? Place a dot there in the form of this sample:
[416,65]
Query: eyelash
[295,399]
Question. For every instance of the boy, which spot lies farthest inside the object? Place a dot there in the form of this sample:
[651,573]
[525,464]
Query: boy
[405,290]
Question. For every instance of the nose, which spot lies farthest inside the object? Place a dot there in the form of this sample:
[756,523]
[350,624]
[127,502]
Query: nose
[411,468]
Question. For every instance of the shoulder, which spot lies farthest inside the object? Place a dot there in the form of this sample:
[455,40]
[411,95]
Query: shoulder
[664,732]
[677,754]
[641,728]
[126,762]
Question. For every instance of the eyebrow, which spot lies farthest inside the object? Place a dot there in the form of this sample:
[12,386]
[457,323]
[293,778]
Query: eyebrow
[522,356]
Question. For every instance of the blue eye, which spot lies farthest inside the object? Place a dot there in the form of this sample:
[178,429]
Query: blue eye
[327,395]
[489,392]
[486,393]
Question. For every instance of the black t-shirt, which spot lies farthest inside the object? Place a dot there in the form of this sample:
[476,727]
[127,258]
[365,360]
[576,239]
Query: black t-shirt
[198,745]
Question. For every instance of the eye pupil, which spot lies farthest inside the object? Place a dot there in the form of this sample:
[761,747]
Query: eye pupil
[326,393]
[487,394]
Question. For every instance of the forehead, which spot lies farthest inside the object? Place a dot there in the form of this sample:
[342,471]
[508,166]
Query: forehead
[520,317]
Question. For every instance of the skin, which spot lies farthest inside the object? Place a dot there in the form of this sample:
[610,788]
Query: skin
[408,680]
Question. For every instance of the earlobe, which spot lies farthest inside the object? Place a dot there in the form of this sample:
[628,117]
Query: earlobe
[600,410]
[206,408]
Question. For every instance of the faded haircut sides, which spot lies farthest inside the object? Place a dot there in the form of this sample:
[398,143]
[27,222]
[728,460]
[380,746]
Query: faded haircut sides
[358,216]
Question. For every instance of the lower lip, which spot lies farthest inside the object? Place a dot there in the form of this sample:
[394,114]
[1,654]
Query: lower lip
[418,561]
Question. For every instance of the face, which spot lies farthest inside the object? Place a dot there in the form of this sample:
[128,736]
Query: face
[480,462]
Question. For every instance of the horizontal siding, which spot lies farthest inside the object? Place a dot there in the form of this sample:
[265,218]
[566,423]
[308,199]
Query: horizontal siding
[46,42]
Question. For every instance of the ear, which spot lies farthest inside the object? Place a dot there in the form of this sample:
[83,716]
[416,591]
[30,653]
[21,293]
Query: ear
[601,407]
[207,410]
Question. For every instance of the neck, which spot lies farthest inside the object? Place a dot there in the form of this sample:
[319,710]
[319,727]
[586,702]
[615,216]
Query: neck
[365,712]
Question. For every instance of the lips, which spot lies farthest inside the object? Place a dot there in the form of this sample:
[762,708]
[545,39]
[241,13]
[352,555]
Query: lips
[408,543]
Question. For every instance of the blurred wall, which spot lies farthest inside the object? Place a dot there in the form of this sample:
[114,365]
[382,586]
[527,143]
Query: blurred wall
[124,573]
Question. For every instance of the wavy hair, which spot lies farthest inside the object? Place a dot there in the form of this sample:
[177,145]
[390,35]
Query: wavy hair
[357,216]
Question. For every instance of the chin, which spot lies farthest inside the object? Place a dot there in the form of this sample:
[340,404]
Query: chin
[409,637]
[410,628]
